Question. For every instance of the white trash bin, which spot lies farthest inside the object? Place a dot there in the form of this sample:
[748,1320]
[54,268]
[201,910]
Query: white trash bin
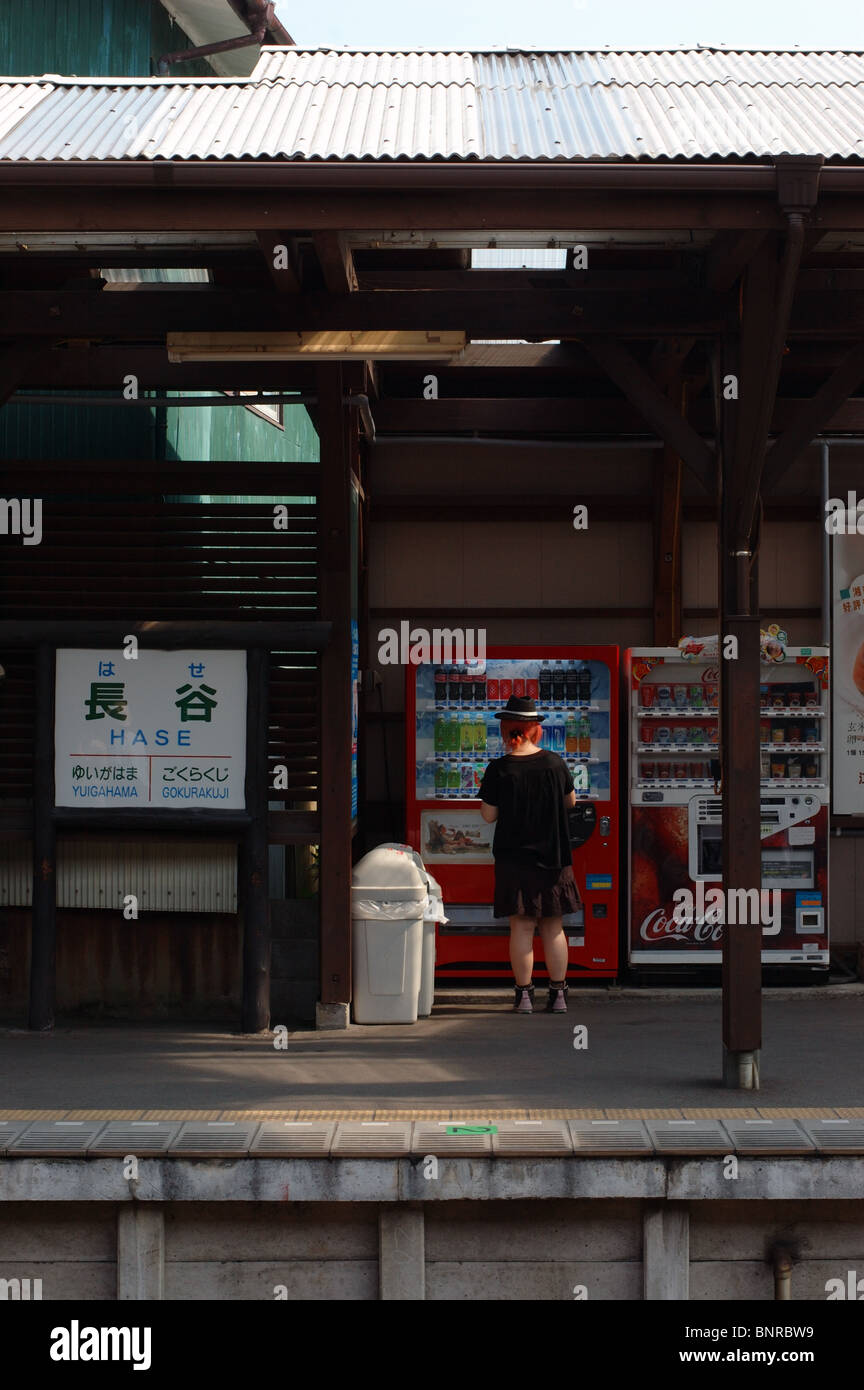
[388,900]
[433,914]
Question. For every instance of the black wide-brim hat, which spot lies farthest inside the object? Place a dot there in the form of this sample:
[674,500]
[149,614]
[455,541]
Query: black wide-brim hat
[519,708]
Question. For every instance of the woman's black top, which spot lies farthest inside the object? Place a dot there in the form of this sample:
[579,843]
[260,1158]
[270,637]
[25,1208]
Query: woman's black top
[532,817]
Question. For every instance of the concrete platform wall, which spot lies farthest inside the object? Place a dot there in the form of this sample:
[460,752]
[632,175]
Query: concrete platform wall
[609,1250]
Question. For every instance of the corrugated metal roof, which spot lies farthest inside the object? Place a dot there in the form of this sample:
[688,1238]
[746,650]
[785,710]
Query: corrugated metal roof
[494,105]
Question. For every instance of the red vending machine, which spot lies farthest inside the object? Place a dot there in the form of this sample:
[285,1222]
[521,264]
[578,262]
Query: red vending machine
[452,735]
[676,815]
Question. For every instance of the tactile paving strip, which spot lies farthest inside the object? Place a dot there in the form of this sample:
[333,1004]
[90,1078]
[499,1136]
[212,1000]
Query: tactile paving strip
[293,1139]
[836,1136]
[532,1138]
[372,1139]
[472,1140]
[769,1137]
[138,1137]
[689,1136]
[57,1138]
[609,1138]
[9,1130]
[214,1139]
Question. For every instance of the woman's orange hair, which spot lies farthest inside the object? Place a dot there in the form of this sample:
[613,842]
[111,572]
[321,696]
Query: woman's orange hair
[515,732]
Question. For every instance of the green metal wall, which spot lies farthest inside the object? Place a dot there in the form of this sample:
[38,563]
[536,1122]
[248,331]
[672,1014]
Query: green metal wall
[226,432]
[90,38]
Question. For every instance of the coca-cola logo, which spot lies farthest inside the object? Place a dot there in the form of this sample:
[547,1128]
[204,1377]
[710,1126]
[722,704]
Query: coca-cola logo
[660,925]
[711,675]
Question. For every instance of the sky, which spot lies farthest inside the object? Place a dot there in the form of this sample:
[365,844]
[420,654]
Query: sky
[576,24]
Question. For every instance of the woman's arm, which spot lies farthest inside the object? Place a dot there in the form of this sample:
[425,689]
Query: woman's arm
[489,813]
[570,800]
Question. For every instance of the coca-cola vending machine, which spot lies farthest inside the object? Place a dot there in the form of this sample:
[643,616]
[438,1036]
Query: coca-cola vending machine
[452,735]
[676,809]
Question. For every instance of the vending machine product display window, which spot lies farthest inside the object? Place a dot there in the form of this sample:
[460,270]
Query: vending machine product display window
[675,828]
[452,735]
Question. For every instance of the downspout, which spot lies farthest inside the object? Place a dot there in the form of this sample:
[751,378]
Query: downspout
[261,12]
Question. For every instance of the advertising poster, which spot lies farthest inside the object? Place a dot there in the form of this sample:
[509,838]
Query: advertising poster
[166,729]
[451,836]
[848,684]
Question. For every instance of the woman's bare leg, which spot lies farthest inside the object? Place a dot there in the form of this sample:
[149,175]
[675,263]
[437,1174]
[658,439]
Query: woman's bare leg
[522,948]
[554,947]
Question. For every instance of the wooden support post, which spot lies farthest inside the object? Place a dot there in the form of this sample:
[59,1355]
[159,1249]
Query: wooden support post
[43,931]
[667,540]
[334,570]
[253,890]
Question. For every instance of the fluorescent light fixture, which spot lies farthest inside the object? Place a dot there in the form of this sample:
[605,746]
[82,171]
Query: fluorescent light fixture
[421,345]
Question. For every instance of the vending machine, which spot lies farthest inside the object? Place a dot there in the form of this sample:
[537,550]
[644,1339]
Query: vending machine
[676,809]
[452,735]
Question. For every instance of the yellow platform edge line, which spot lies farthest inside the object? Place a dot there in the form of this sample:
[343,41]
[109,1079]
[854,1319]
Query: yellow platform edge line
[463,1114]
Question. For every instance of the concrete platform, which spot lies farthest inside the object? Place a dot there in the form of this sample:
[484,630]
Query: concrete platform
[645,1057]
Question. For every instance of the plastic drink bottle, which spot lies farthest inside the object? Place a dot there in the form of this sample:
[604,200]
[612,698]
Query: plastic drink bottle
[558,736]
[571,734]
[453,734]
[558,683]
[440,737]
[480,735]
[466,679]
[440,687]
[454,779]
[454,687]
[571,684]
[466,735]
[544,681]
[440,780]
[585,686]
[584,735]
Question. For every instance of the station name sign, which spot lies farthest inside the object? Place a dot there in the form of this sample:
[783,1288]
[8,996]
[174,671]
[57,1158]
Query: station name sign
[167,728]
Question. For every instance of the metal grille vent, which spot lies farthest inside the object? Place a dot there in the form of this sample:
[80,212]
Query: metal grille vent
[689,1136]
[836,1136]
[385,1139]
[293,1139]
[57,1138]
[139,1137]
[214,1138]
[9,1130]
[609,1137]
[769,1136]
[432,1138]
[538,1138]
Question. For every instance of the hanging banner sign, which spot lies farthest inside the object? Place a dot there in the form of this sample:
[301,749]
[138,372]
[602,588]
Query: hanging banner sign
[166,729]
[848,667]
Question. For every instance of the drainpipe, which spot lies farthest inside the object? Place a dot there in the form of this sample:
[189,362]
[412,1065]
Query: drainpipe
[782,1265]
[824,450]
[261,11]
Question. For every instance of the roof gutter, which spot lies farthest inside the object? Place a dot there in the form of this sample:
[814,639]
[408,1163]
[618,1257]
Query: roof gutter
[260,18]
[477,175]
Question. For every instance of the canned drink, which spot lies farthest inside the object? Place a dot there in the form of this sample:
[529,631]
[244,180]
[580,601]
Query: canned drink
[664,696]
[793,735]
[682,696]
[778,767]
[647,732]
[505,688]
[697,735]
[532,688]
[664,772]
[811,768]
[764,762]
[764,698]
[663,735]
[679,736]
[648,771]
[519,686]
[698,771]
[764,731]
[811,699]
[794,699]
[778,734]
[697,697]
[810,734]
[794,769]
[778,700]
[713,734]
[492,690]
[647,695]
[712,695]
[680,771]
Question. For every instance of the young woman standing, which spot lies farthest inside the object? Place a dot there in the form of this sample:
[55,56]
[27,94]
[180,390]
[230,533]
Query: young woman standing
[527,793]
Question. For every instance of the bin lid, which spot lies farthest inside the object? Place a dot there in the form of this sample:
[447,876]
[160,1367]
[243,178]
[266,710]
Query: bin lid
[388,867]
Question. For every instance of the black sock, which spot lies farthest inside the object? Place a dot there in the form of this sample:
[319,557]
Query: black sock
[557,984]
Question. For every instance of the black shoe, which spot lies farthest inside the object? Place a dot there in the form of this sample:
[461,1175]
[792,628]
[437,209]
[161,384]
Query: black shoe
[524,1001]
[556,1002]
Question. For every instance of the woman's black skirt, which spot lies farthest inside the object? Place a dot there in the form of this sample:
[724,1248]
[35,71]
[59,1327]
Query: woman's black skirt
[524,890]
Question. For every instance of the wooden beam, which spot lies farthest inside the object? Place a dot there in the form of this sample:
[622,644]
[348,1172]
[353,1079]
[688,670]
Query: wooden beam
[337,264]
[43,930]
[728,256]
[144,311]
[813,416]
[337,430]
[276,636]
[645,396]
[279,250]
[253,906]
[667,537]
